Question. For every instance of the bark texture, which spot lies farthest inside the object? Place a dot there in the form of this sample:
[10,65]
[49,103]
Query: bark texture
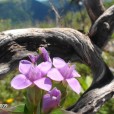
[70,45]
[94,8]
[102,28]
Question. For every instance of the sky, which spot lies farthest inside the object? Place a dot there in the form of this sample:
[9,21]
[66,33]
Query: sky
[41,0]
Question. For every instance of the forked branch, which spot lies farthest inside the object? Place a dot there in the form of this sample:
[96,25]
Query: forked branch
[102,28]
[72,46]
[94,8]
[68,44]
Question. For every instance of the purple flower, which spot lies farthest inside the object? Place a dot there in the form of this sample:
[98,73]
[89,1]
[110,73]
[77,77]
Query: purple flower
[33,58]
[45,54]
[65,73]
[32,74]
[51,100]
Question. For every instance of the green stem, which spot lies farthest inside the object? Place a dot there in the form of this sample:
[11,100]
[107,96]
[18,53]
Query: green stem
[38,109]
[33,103]
[39,106]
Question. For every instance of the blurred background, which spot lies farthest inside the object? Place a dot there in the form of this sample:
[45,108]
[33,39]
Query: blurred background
[16,14]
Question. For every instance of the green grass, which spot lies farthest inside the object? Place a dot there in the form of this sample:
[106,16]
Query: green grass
[7,92]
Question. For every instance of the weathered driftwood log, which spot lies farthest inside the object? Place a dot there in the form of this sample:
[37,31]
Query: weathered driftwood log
[94,8]
[102,28]
[68,44]
[102,22]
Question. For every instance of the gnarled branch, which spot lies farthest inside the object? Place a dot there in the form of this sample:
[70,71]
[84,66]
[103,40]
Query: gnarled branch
[68,44]
[17,44]
[102,28]
[94,8]
[102,21]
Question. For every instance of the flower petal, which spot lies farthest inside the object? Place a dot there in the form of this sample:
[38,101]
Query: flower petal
[48,103]
[74,84]
[44,83]
[20,82]
[33,58]
[54,74]
[75,74]
[34,73]
[55,92]
[45,67]
[58,62]
[24,66]
[45,54]
[66,71]
[51,100]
